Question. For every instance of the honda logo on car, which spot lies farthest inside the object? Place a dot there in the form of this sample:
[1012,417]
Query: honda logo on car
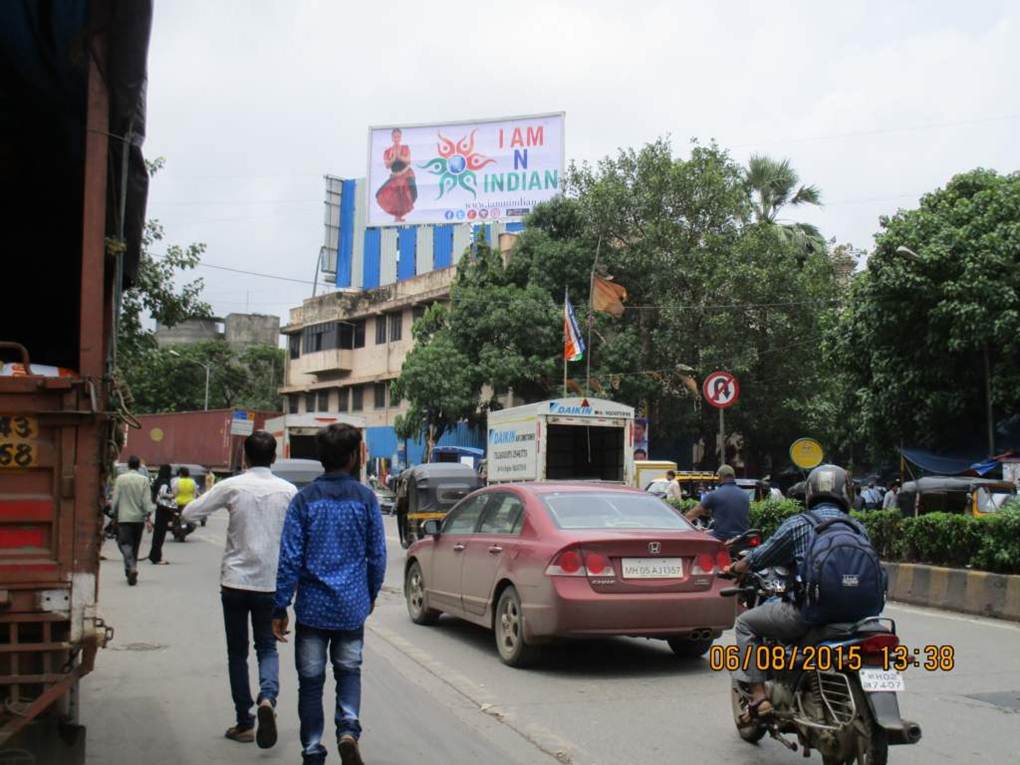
[654,547]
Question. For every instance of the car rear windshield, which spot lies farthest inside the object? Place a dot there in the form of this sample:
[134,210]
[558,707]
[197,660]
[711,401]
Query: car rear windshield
[616,510]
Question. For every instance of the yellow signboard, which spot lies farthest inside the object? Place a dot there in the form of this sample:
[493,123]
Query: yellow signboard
[806,453]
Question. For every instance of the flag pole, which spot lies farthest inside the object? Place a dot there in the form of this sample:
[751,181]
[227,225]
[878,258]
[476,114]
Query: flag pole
[565,298]
[591,313]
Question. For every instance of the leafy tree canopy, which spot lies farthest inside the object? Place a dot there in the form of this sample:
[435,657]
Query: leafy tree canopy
[708,288]
[941,289]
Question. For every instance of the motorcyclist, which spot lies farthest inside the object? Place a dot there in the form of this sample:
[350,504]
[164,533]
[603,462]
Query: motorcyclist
[729,506]
[827,495]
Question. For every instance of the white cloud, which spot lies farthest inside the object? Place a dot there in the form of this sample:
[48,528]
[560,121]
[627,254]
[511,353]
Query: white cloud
[252,102]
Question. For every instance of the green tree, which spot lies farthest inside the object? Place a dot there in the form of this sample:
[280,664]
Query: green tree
[941,292]
[436,380]
[165,382]
[773,184]
[708,288]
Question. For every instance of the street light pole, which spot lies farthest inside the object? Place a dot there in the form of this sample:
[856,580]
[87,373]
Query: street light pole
[207,369]
[206,386]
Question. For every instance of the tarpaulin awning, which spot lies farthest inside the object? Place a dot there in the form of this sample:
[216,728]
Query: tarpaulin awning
[950,464]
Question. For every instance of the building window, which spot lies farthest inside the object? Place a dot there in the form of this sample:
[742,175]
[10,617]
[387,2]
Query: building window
[343,399]
[356,397]
[292,404]
[380,330]
[380,395]
[294,345]
[318,337]
[351,334]
[323,402]
[396,325]
[309,402]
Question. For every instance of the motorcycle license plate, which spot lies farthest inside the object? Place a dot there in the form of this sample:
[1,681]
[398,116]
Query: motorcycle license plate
[880,680]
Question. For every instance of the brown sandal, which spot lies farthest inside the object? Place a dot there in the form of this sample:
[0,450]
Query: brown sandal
[756,712]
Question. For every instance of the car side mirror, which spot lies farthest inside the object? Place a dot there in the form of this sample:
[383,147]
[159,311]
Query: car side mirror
[431,528]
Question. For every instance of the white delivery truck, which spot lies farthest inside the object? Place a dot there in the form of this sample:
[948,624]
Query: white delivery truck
[587,439]
[295,433]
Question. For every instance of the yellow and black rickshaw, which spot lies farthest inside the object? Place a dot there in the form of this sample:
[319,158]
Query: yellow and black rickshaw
[428,492]
[954,494]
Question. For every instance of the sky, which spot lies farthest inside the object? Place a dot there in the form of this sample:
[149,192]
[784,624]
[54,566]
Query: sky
[252,102]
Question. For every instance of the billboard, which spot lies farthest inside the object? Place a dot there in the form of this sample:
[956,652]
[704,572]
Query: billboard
[463,172]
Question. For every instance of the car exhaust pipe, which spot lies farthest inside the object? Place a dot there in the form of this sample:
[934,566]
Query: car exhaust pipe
[911,732]
[703,634]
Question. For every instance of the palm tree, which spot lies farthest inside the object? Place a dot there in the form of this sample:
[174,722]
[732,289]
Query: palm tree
[772,185]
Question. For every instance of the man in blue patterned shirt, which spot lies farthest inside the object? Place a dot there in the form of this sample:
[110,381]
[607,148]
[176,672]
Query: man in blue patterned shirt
[827,495]
[333,551]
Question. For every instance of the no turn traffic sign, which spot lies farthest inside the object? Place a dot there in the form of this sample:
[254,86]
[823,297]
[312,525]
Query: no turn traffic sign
[721,390]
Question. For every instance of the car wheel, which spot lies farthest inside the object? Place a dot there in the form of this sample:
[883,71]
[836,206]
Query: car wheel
[509,628]
[686,648]
[414,594]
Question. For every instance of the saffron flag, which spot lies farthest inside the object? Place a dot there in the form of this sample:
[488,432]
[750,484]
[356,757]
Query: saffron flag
[573,344]
[608,296]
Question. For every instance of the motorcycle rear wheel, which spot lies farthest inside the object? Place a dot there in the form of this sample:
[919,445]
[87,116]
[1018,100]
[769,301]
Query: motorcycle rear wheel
[750,733]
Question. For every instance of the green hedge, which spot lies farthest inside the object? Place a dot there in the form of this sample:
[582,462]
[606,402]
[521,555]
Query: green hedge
[989,543]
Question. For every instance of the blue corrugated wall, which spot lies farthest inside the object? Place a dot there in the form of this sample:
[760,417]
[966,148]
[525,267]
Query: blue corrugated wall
[442,246]
[407,246]
[345,248]
[382,442]
[373,242]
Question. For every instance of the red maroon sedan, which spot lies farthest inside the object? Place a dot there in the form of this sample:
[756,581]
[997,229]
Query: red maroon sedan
[538,561]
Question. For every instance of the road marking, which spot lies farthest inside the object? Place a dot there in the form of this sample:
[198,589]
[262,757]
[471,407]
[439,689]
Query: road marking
[544,739]
[936,613]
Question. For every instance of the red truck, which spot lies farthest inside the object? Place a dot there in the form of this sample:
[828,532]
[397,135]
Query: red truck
[192,438]
[75,183]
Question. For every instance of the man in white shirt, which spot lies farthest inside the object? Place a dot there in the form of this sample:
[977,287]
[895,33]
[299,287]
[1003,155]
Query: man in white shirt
[889,501]
[257,501]
[673,491]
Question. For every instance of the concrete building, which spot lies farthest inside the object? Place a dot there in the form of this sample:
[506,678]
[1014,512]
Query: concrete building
[345,348]
[240,330]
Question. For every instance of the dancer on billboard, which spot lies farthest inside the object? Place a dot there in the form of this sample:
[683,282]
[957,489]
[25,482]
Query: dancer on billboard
[398,195]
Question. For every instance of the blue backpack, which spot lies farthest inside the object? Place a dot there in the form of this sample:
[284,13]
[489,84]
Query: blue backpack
[841,574]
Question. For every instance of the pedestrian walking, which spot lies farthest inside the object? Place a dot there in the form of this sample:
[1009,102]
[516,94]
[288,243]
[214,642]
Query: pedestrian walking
[334,554]
[889,501]
[131,506]
[257,502]
[166,505]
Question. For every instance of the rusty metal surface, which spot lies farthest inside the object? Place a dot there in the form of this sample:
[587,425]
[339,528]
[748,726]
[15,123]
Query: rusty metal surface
[50,505]
[193,438]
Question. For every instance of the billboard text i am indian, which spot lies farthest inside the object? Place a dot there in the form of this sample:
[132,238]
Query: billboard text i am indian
[460,172]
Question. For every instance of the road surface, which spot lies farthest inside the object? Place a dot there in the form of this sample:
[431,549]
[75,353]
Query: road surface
[439,695]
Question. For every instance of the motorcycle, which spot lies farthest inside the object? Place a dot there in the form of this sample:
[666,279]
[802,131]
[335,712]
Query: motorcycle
[833,689]
[178,527]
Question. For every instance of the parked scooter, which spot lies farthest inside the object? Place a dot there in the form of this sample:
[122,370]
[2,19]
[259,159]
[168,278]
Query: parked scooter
[833,689]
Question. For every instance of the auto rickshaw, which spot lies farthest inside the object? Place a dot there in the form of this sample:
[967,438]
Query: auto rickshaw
[428,492]
[954,494]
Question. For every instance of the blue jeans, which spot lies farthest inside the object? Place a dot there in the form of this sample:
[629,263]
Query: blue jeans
[345,648]
[238,605]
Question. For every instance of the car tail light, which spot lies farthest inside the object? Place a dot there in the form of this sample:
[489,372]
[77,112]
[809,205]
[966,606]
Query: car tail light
[597,565]
[723,560]
[876,644]
[704,563]
[754,541]
[567,563]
